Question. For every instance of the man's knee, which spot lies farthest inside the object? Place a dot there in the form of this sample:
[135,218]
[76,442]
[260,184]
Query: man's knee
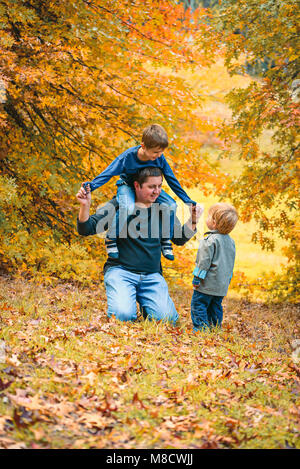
[160,315]
[122,314]
[121,300]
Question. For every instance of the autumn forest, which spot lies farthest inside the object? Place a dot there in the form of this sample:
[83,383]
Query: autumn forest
[79,82]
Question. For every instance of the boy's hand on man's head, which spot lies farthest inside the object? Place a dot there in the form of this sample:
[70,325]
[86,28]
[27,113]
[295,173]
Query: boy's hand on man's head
[84,195]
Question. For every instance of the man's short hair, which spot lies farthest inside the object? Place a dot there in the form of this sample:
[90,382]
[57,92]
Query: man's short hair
[155,136]
[145,173]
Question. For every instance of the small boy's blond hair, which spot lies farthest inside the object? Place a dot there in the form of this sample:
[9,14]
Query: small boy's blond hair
[155,136]
[224,216]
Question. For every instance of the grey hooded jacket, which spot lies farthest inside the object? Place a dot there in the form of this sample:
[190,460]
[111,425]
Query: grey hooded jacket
[216,256]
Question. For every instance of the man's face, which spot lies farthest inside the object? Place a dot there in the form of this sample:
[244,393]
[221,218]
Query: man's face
[149,191]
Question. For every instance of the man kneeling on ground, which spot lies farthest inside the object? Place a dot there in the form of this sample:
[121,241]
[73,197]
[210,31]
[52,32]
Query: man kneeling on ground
[136,276]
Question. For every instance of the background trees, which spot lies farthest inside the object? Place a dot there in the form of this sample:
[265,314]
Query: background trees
[265,122]
[80,81]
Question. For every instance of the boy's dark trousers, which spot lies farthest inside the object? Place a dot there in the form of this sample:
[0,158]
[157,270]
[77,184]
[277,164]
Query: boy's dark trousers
[206,310]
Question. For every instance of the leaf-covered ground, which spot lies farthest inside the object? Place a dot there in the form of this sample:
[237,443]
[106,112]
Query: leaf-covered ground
[71,378]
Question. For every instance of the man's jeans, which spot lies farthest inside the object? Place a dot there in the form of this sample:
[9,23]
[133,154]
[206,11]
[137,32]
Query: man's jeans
[206,310]
[125,288]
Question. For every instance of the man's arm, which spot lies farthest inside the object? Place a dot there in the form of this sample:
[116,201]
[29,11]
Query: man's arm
[182,234]
[84,198]
[97,223]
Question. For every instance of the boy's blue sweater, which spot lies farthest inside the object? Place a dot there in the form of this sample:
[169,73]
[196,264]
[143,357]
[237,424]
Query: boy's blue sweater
[127,164]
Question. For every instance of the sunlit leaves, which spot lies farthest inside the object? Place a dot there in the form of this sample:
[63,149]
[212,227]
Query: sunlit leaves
[81,80]
[265,120]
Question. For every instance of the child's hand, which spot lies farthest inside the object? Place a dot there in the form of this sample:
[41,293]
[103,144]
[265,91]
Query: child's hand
[196,281]
[84,195]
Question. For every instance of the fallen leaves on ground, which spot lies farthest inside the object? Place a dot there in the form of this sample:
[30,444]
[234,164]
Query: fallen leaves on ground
[72,378]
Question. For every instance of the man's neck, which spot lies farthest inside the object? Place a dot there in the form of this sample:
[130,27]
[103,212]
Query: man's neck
[141,204]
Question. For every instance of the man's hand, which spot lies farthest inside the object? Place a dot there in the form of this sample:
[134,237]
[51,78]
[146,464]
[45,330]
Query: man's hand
[196,212]
[84,196]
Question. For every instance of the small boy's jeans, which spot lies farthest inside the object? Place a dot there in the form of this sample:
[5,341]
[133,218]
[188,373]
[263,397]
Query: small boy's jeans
[126,200]
[206,310]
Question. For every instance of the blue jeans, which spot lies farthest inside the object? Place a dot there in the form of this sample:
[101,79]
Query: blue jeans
[126,201]
[125,288]
[206,310]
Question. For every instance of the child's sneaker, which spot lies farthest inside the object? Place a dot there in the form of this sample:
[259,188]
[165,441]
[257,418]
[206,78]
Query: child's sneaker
[167,249]
[111,248]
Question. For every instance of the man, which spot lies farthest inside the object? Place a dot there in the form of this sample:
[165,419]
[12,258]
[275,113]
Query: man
[136,276]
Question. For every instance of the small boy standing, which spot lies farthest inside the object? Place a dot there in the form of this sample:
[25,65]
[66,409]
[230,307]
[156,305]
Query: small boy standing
[214,267]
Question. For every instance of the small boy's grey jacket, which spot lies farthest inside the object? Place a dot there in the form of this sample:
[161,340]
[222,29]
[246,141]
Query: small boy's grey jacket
[216,255]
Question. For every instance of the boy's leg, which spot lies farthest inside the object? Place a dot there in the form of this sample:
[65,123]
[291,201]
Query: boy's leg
[169,205]
[126,200]
[215,311]
[167,249]
[120,286]
[153,296]
[199,306]
[166,201]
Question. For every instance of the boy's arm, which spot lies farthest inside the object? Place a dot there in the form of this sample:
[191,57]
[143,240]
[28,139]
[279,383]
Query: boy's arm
[174,184]
[204,259]
[198,276]
[114,169]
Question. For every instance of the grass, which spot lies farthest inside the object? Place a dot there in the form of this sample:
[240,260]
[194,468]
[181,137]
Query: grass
[72,378]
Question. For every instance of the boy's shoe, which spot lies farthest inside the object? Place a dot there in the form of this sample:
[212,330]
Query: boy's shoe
[111,248]
[167,249]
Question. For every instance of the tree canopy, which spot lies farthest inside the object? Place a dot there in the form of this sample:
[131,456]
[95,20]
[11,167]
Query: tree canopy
[81,80]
